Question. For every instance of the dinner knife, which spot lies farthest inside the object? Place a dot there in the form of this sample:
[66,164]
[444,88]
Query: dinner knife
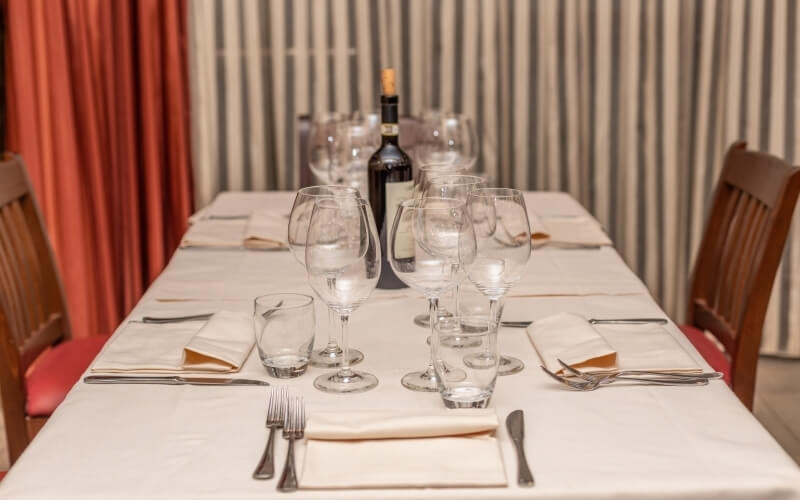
[175,319]
[596,321]
[516,428]
[169,380]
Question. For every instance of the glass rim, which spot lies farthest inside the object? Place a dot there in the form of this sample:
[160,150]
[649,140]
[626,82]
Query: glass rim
[495,192]
[322,201]
[477,179]
[325,117]
[441,113]
[309,301]
[347,190]
[413,202]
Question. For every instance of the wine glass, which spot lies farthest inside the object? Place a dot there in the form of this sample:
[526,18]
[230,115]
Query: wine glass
[354,144]
[427,171]
[331,355]
[343,260]
[429,237]
[448,138]
[456,186]
[322,146]
[503,238]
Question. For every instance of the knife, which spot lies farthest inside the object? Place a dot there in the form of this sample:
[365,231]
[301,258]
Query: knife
[516,428]
[595,321]
[169,380]
[175,319]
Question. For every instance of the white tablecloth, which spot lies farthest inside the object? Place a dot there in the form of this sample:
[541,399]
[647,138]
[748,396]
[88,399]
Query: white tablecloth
[115,442]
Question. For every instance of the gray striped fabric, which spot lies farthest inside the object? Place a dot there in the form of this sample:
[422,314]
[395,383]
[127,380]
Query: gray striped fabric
[626,104]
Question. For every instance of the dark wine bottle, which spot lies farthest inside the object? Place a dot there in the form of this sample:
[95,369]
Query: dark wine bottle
[390,177]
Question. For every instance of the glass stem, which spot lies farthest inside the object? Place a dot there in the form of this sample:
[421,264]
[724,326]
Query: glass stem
[332,344]
[345,370]
[433,308]
[456,311]
[494,319]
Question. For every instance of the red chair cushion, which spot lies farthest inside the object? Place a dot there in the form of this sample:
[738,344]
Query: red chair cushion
[710,352]
[56,370]
[2,474]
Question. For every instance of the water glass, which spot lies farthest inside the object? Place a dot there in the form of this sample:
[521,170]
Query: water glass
[465,384]
[284,329]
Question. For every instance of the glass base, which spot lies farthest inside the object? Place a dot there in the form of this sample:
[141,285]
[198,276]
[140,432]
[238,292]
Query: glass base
[424,319]
[344,382]
[509,365]
[332,358]
[467,397]
[424,381]
[286,371]
[458,341]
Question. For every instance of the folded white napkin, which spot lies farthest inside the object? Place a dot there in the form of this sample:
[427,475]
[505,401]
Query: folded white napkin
[267,229]
[220,345]
[209,233]
[263,229]
[566,231]
[391,449]
[607,348]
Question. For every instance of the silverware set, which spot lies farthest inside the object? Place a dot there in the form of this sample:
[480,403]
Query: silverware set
[287,413]
[583,381]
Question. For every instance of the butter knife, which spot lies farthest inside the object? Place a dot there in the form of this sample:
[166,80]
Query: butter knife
[516,428]
[169,380]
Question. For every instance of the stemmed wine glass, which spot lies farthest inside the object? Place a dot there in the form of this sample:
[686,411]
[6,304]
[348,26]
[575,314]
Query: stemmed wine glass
[456,186]
[429,237]
[354,144]
[331,355]
[503,237]
[428,170]
[343,260]
[448,138]
[322,146]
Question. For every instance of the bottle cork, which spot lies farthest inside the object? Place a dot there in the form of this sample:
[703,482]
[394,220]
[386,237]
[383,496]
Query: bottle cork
[387,81]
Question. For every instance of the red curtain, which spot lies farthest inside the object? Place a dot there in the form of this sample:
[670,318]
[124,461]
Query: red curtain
[98,104]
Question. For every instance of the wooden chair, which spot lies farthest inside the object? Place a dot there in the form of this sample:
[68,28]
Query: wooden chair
[38,361]
[737,261]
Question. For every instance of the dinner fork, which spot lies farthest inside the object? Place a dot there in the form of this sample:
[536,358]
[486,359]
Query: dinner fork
[597,381]
[293,428]
[276,410]
[578,373]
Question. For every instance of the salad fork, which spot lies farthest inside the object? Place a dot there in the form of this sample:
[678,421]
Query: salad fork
[276,411]
[293,428]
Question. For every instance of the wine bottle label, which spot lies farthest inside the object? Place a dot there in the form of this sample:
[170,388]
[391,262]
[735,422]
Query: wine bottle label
[397,193]
[389,129]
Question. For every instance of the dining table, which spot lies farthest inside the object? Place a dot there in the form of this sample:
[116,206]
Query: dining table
[202,442]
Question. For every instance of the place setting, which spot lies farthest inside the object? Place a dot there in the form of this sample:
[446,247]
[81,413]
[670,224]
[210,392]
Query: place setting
[455,231]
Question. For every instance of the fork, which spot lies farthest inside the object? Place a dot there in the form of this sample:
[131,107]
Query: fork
[680,376]
[292,430]
[596,381]
[276,410]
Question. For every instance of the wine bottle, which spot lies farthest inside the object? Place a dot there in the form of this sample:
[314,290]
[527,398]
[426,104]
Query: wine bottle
[390,179]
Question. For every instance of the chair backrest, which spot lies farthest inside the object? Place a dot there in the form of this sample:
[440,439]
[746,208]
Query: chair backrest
[33,312]
[739,255]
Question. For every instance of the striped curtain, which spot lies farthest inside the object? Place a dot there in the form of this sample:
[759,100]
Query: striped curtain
[628,105]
